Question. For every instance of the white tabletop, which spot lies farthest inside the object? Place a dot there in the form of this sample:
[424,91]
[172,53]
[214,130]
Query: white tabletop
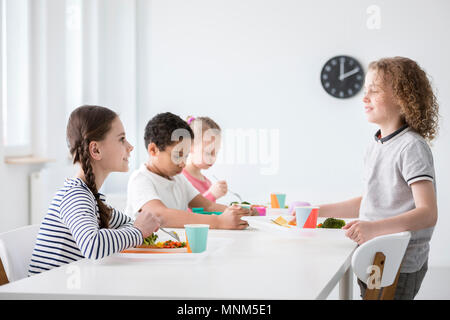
[248,264]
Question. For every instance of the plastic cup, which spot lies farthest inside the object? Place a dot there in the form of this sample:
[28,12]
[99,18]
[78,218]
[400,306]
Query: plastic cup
[306,217]
[277,200]
[196,237]
[297,204]
[261,210]
[245,206]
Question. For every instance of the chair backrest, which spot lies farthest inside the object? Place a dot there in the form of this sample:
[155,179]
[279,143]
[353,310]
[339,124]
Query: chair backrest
[16,247]
[393,246]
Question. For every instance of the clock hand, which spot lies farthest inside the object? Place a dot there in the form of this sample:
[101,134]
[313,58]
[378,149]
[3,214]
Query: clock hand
[341,69]
[348,74]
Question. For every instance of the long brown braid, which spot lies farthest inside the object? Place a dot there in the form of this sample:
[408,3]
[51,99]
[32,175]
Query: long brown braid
[86,124]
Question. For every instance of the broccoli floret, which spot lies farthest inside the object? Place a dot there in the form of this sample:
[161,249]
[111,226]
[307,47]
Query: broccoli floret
[333,223]
[245,202]
[234,202]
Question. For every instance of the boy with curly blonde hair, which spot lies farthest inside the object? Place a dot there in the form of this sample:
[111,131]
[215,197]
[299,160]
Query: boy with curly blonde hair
[399,178]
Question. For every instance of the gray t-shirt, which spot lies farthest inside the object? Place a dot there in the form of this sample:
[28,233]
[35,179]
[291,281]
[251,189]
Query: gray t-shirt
[391,165]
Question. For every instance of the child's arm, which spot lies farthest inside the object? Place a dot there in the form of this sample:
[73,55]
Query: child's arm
[229,219]
[200,201]
[78,213]
[216,191]
[422,217]
[344,209]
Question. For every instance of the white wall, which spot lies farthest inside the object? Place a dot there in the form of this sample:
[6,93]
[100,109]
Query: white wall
[256,64]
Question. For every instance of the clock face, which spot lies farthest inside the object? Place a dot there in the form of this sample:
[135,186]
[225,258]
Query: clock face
[342,77]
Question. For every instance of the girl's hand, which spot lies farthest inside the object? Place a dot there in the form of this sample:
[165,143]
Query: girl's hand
[147,222]
[219,189]
[361,231]
[231,218]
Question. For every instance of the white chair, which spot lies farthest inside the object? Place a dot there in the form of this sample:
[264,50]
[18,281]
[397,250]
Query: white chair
[377,264]
[16,247]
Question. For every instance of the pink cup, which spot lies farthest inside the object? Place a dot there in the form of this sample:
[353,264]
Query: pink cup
[261,210]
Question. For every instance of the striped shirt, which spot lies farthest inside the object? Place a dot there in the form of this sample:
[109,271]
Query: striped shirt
[70,230]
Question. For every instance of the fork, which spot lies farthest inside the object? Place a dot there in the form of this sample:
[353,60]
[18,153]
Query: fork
[234,193]
[173,234]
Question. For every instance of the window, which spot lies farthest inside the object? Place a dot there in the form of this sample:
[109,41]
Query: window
[74,55]
[15,77]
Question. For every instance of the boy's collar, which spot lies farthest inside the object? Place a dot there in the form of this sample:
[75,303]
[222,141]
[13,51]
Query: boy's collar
[147,167]
[378,137]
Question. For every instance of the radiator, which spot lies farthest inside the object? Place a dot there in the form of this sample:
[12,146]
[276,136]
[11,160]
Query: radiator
[47,181]
[43,186]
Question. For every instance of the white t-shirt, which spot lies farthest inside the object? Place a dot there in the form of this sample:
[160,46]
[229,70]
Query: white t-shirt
[391,165]
[145,185]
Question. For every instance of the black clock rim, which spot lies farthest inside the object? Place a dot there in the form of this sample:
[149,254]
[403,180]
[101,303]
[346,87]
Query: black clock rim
[335,57]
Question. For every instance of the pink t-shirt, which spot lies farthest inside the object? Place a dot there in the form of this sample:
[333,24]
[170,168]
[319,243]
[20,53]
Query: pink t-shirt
[202,186]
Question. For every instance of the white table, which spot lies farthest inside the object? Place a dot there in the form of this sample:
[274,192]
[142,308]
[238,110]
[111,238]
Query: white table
[249,264]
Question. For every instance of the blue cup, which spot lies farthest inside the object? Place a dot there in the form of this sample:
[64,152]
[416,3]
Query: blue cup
[196,237]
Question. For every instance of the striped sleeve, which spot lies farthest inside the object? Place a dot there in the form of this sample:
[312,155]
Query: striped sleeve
[78,212]
[417,163]
[118,220]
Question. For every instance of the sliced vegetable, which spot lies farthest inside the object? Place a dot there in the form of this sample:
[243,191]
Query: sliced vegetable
[150,240]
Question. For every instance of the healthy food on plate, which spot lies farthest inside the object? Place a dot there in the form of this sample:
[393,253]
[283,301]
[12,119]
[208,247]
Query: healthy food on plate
[282,222]
[236,202]
[332,223]
[243,204]
[150,242]
[329,223]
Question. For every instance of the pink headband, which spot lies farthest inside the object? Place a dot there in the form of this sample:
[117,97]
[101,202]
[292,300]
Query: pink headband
[190,120]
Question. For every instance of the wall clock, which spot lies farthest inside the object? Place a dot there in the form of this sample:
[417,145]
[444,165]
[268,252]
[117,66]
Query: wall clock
[342,77]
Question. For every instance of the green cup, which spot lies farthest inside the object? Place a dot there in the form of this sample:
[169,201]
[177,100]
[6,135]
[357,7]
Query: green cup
[196,237]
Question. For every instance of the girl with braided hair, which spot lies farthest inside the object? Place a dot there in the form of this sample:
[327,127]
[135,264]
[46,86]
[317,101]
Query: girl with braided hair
[79,224]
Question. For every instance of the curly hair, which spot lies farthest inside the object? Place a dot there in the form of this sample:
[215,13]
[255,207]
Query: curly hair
[413,92]
[86,124]
[160,128]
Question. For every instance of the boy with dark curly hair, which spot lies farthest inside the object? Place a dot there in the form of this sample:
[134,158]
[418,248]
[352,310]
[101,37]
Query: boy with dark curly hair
[399,178]
[158,187]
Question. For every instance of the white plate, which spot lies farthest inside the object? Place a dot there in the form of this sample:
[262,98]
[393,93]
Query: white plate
[155,250]
[214,245]
[264,223]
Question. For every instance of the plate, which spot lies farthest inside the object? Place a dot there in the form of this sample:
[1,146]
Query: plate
[175,254]
[155,250]
[265,223]
[162,237]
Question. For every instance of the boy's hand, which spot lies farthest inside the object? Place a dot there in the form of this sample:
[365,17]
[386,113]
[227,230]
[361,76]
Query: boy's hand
[231,218]
[219,189]
[361,231]
[146,222]
[254,212]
